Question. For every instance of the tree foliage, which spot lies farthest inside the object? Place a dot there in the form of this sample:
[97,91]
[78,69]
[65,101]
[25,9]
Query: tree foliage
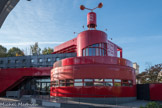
[15,52]
[47,51]
[3,51]
[35,49]
[151,74]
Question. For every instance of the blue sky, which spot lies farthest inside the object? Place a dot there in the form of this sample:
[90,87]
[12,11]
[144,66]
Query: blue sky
[135,25]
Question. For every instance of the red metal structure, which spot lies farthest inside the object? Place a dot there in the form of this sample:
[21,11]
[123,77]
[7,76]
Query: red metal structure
[97,71]
[155,92]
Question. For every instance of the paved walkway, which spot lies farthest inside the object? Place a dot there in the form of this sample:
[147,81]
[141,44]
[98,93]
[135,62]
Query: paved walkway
[12,102]
[16,103]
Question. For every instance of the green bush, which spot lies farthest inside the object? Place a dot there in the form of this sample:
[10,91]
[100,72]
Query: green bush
[152,105]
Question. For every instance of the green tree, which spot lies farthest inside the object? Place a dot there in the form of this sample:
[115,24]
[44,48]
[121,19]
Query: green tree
[47,51]
[151,74]
[15,52]
[35,49]
[3,51]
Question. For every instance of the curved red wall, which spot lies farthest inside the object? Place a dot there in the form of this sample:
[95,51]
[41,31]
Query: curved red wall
[89,37]
[93,68]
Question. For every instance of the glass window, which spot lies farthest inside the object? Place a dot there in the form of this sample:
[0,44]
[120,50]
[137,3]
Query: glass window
[48,60]
[108,84]
[100,52]
[103,52]
[57,58]
[88,80]
[9,61]
[16,61]
[90,51]
[93,51]
[83,52]
[78,80]
[62,81]
[24,60]
[97,52]
[78,84]
[62,84]
[98,84]
[1,62]
[98,80]
[130,83]
[117,80]
[43,86]
[86,51]
[32,61]
[125,81]
[69,84]
[88,83]
[97,45]
[117,84]
[40,60]
[108,80]
[125,84]
[69,81]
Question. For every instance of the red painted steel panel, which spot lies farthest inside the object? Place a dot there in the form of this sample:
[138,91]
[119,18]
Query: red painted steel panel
[10,76]
[94,68]
[91,18]
[89,37]
[156,92]
[65,45]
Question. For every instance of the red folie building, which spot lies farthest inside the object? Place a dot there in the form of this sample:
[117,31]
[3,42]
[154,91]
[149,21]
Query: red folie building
[97,71]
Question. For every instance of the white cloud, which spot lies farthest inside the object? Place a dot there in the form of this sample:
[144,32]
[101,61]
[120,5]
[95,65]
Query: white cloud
[28,43]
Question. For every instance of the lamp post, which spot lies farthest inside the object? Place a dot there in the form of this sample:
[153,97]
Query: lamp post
[91,16]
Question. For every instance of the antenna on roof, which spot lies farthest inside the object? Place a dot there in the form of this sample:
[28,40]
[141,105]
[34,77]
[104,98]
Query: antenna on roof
[91,16]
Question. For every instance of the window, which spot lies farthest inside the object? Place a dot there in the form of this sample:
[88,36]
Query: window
[86,51]
[125,83]
[98,82]
[24,60]
[90,51]
[83,52]
[108,82]
[57,58]
[9,61]
[88,82]
[117,82]
[62,83]
[16,61]
[32,61]
[130,82]
[1,62]
[69,82]
[40,60]
[48,60]
[78,82]
[56,83]
[95,50]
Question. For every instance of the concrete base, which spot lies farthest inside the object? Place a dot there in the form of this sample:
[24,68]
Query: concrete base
[113,101]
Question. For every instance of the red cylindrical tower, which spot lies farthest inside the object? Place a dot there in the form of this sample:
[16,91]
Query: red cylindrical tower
[91,20]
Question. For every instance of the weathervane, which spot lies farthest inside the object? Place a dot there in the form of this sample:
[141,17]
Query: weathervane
[91,16]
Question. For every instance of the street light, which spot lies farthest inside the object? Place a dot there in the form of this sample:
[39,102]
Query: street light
[100,5]
[91,16]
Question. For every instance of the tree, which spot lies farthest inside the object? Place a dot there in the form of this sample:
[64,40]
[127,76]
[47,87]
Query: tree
[151,74]
[15,52]
[47,51]
[35,49]
[3,51]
